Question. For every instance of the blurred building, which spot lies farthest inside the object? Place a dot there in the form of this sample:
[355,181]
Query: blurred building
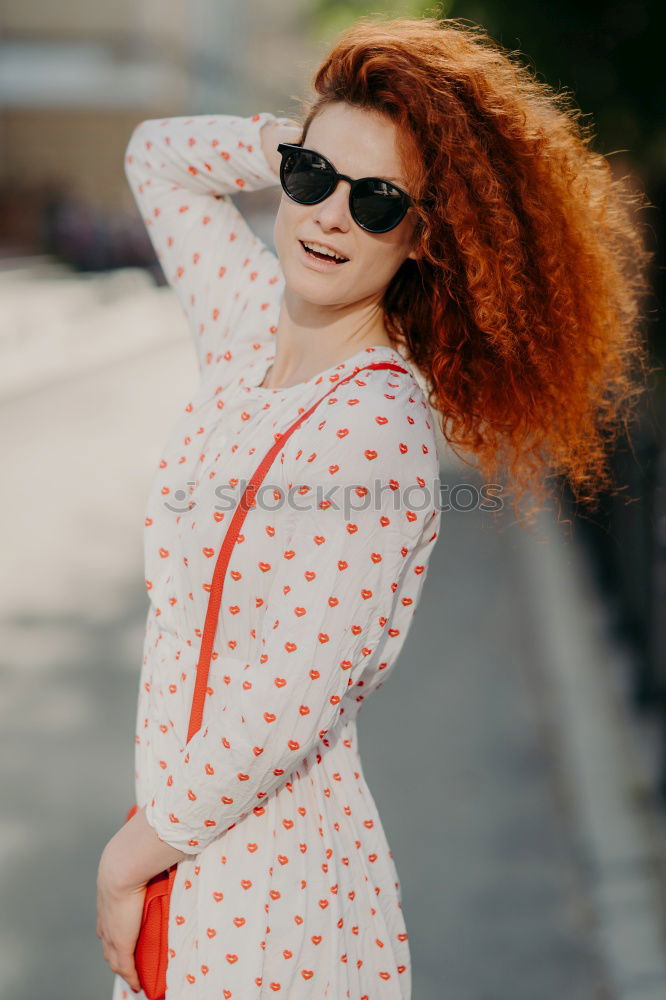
[76,76]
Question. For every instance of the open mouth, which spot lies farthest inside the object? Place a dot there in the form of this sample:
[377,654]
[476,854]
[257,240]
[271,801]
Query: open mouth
[327,258]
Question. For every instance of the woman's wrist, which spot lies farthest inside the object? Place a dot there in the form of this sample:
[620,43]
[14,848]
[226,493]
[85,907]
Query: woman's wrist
[135,854]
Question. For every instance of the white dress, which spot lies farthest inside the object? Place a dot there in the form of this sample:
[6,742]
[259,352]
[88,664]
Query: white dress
[289,887]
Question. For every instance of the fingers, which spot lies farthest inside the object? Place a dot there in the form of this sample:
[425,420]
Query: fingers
[118,924]
[123,964]
[119,960]
[289,123]
[289,132]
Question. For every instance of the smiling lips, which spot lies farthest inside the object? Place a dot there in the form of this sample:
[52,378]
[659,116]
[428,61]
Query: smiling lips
[309,249]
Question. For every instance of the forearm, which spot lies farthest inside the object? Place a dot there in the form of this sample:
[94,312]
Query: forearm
[244,753]
[265,715]
[204,154]
[181,172]
[135,853]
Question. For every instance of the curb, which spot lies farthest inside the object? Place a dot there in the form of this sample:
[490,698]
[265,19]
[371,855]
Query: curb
[613,807]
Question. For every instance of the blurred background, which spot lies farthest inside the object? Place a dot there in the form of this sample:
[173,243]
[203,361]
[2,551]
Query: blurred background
[531,692]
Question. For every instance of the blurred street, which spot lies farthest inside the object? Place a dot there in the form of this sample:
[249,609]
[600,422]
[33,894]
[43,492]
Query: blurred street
[499,753]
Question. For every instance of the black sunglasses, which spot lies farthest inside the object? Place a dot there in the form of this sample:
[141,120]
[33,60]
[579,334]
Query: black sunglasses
[308,178]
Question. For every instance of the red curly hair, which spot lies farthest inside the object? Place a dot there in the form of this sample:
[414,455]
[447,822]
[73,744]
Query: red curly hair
[523,310]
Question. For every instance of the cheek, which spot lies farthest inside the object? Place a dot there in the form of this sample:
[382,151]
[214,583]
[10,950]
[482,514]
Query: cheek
[376,264]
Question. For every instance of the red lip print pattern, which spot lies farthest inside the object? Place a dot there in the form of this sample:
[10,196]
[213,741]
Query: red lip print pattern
[269,802]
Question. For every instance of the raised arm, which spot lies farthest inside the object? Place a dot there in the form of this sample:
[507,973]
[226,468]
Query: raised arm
[182,172]
[346,579]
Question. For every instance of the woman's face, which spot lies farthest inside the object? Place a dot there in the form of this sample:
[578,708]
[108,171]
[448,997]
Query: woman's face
[358,143]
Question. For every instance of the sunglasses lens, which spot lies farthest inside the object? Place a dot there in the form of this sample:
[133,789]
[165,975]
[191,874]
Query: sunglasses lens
[378,206]
[306,177]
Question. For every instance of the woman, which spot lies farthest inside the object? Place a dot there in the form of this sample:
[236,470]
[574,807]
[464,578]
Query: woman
[492,250]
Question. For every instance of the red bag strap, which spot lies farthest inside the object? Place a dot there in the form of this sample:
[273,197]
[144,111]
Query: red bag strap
[246,501]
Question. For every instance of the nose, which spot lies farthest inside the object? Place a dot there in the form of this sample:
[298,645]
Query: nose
[333,211]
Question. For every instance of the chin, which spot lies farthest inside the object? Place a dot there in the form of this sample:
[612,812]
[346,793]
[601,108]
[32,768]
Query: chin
[309,286]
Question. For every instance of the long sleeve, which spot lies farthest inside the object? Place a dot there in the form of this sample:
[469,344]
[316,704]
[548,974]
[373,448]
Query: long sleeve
[347,584]
[406,599]
[181,172]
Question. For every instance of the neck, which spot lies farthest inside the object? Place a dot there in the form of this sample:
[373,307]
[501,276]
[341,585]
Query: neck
[311,338]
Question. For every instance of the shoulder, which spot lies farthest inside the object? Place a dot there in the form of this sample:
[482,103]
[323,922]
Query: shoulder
[375,432]
[379,418]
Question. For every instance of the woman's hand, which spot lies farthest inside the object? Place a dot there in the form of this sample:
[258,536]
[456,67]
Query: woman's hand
[119,912]
[274,132]
[130,859]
